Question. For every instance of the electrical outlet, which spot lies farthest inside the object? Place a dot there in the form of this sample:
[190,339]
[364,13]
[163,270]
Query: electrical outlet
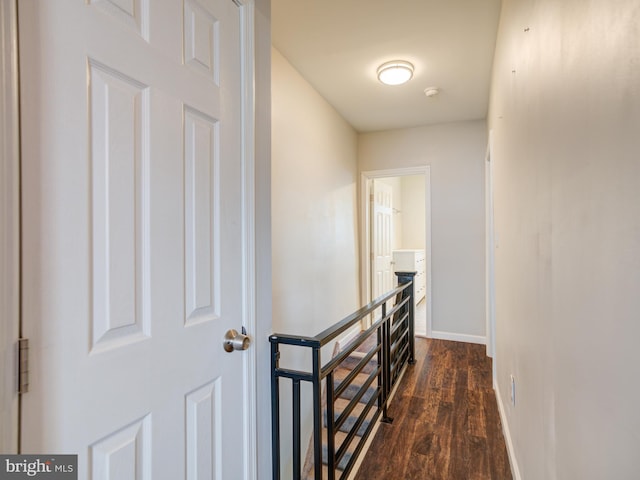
[513,391]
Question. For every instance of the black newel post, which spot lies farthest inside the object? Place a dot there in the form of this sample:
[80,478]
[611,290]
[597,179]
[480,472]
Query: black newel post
[404,278]
[275,410]
[317,413]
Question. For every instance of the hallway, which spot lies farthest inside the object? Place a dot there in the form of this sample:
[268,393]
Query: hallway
[446,423]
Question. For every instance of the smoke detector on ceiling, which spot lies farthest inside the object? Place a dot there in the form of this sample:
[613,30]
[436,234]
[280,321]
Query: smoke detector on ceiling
[431,91]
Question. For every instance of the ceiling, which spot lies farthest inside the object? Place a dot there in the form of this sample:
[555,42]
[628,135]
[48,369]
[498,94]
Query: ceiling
[337,46]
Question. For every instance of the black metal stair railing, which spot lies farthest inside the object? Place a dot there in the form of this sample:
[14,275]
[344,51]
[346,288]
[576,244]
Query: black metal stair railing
[393,348]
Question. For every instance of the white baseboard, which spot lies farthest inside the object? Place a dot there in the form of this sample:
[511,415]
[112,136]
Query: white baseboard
[515,470]
[458,337]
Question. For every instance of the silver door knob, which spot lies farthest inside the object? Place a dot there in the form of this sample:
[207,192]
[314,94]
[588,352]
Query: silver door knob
[236,341]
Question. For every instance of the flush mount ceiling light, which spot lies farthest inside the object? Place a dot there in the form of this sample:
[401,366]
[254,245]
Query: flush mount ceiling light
[395,72]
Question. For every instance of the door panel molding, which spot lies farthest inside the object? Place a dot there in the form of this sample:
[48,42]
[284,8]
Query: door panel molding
[9,226]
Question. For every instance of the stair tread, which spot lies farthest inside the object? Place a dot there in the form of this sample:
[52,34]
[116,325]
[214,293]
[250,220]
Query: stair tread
[352,390]
[354,359]
[339,439]
[340,405]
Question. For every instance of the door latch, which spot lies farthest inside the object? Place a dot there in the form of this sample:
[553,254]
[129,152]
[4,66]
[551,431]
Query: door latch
[236,341]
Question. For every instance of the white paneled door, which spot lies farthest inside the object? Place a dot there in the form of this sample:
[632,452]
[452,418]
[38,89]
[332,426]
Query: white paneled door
[132,227]
[381,235]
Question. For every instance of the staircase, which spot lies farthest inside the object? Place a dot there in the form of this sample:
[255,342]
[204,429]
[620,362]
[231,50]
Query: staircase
[353,425]
[350,391]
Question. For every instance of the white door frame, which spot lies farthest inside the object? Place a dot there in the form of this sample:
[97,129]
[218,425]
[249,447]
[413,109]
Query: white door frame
[9,226]
[247,49]
[365,228]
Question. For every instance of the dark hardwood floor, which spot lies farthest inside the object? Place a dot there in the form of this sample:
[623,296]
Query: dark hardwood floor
[446,423]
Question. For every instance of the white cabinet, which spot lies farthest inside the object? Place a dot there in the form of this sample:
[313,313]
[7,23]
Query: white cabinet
[412,261]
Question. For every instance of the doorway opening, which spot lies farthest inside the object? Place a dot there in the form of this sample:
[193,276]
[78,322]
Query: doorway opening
[396,235]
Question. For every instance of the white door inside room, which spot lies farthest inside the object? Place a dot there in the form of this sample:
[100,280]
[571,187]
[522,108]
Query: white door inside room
[381,238]
[132,194]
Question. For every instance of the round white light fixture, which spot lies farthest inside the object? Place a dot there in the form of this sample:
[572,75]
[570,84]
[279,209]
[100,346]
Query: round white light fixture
[395,72]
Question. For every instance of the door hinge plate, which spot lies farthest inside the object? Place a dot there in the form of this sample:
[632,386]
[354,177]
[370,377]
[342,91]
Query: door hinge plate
[23,365]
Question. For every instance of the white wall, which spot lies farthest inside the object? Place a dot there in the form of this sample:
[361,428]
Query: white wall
[314,213]
[565,115]
[455,152]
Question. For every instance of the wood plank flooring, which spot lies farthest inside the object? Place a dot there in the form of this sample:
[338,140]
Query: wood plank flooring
[446,423]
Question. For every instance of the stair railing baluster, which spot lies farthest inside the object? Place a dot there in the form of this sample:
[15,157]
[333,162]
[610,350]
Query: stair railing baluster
[297,463]
[386,385]
[381,398]
[317,413]
[275,411]
[331,439]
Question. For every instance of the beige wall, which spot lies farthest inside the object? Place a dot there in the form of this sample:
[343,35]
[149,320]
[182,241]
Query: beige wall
[314,211]
[455,152]
[413,211]
[565,115]
[314,222]
[409,211]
